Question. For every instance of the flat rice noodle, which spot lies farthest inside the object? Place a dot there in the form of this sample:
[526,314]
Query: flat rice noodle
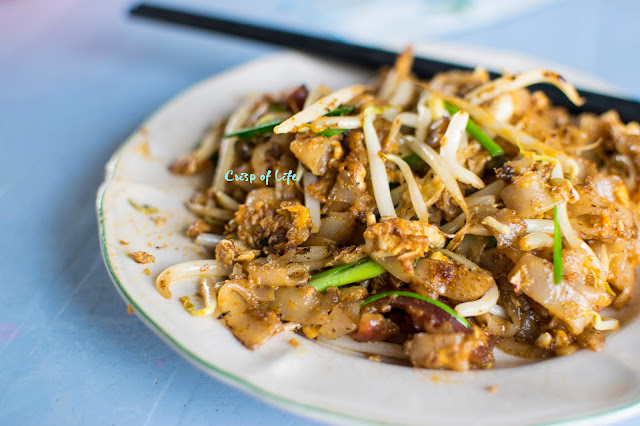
[517,227]
[265,157]
[533,276]
[277,274]
[576,272]
[249,324]
[340,228]
[314,152]
[450,280]
[393,266]
[622,274]
[342,320]
[472,247]
[529,196]
[600,212]
[304,305]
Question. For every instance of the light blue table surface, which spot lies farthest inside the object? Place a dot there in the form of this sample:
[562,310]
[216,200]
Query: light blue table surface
[76,77]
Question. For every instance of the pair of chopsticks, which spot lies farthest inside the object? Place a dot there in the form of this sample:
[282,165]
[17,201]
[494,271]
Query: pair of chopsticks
[370,57]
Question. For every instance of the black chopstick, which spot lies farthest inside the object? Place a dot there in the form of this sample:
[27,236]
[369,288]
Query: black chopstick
[366,56]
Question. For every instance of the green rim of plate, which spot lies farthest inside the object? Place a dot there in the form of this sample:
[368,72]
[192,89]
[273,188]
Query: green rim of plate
[296,407]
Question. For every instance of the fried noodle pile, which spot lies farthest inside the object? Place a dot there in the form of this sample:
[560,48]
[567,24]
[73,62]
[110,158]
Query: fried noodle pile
[428,220]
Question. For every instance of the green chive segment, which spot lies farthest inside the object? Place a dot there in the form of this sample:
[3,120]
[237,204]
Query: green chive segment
[331,132]
[487,143]
[350,273]
[337,269]
[557,249]
[260,129]
[251,132]
[414,161]
[437,303]
[340,111]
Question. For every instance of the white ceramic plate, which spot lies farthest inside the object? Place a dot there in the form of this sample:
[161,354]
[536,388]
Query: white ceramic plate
[310,379]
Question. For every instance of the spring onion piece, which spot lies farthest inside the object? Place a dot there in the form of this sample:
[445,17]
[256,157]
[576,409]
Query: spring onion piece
[341,111]
[414,161]
[493,242]
[346,274]
[251,132]
[557,249]
[437,303]
[339,268]
[332,132]
[487,143]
